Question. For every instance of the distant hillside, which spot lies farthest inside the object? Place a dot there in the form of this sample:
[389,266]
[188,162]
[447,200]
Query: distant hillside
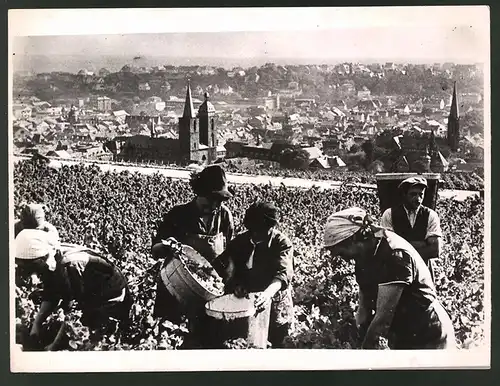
[66,63]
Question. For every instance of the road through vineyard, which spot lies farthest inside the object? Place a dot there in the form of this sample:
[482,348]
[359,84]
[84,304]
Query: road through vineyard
[126,208]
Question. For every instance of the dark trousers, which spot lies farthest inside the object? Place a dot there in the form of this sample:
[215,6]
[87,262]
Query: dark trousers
[437,333]
[200,332]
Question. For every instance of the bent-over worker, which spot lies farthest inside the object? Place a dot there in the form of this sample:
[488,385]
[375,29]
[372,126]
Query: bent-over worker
[71,273]
[397,298]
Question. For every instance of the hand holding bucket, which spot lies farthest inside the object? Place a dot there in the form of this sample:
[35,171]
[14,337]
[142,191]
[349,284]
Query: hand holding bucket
[262,301]
[168,248]
[173,245]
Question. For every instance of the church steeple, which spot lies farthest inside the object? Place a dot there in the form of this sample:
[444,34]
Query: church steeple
[454,122]
[188,105]
[454,103]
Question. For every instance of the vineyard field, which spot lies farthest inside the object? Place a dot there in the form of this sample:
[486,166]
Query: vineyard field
[126,209]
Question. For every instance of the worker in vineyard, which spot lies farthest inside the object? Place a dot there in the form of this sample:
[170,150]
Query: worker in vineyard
[32,216]
[73,276]
[205,224]
[260,261]
[397,298]
[415,222]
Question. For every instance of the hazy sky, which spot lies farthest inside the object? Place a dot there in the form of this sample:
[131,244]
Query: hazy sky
[434,33]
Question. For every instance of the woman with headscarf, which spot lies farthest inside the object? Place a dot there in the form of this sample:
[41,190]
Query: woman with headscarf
[72,274]
[205,224]
[261,260]
[397,298]
[33,217]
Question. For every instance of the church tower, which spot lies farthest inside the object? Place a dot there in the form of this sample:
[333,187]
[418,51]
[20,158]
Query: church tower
[189,140]
[208,130]
[453,135]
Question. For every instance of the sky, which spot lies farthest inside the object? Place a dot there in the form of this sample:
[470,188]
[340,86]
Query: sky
[422,33]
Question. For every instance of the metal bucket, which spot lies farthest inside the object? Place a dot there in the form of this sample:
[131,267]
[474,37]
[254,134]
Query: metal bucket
[390,196]
[234,318]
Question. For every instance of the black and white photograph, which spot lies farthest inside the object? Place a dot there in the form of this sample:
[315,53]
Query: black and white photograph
[249,189]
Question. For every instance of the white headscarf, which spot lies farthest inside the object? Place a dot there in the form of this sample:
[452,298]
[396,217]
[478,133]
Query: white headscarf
[344,224]
[31,244]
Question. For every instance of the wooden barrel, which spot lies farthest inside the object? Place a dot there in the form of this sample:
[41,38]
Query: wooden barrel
[389,194]
[182,284]
[234,318]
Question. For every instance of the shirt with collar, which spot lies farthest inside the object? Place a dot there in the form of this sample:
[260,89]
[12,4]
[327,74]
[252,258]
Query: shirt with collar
[256,265]
[433,224]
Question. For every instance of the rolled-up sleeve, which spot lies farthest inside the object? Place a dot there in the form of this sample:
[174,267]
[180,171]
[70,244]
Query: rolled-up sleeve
[433,225]
[399,269]
[284,271]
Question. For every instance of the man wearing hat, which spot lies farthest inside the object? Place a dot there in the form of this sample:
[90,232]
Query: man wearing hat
[261,261]
[205,224]
[415,222]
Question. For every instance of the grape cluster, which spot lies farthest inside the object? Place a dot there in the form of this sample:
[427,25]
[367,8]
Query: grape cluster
[205,274]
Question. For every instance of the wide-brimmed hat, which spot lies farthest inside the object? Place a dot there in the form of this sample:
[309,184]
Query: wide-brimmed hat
[31,244]
[413,181]
[212,181]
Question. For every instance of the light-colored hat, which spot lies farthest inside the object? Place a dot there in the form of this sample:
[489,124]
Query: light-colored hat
[413,181]
[32,244]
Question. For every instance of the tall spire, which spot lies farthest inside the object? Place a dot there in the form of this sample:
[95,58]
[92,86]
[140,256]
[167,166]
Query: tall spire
[188,105]
[454,122]
[454,102]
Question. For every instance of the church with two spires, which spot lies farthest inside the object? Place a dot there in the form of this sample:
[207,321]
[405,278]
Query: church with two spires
[197,141]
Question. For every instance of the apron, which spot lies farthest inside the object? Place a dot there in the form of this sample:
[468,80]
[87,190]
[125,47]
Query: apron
[282,307]
[209,246]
